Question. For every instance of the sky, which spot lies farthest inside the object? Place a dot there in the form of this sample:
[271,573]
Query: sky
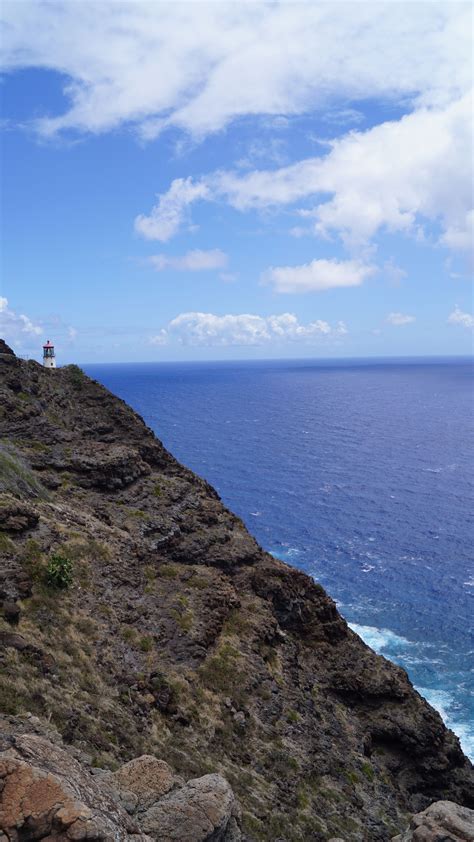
[189,181]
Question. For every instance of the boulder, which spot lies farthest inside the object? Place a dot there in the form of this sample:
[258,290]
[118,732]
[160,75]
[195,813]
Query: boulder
[442,821]
[145,777]
[204,809]
[47,793]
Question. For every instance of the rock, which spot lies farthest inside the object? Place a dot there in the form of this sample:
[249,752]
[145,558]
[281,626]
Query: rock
[204,809]
[5,349]
[11,612]
[46,793]
[146,777]
[239,719]
[15,515]
[442,821]
[108,467]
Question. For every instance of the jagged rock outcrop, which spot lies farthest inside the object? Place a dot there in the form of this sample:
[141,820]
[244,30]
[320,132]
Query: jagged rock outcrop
[175,636]
[47,793]
[5,349]
[442,821]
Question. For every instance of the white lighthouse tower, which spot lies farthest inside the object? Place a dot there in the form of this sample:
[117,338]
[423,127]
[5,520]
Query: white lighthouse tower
[49,357]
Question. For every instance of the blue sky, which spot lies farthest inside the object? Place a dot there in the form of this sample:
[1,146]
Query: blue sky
[211,181]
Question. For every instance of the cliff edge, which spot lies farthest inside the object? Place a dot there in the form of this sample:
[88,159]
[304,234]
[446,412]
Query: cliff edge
[139,617]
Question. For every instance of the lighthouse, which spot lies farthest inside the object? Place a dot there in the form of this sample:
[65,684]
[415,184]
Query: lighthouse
[49,357]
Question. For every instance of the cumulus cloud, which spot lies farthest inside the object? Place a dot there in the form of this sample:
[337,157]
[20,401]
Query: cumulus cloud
[400,319]
[16,327]
[194,261]
[396,176]
[460,234]
[244,329]
[169,213]
[457,317]
[317,275]
[198,66]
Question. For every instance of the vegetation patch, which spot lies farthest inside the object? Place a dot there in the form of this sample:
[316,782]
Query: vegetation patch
[368,771]
[75,376]
[6,544]
[16,477]
[168,571]
[59,572]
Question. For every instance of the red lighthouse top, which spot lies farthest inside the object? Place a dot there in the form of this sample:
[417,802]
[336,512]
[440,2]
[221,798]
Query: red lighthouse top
[48,345]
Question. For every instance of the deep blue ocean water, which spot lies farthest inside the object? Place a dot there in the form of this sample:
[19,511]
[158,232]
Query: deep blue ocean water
[359,473]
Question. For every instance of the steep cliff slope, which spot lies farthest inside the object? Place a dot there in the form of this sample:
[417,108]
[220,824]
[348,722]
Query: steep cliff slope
[174,634]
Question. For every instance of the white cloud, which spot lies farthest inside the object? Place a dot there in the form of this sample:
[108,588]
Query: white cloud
[400,319]
[396,176]
[460,234]
[194,261]
[16,327]
[317,275]
[169,213]
[457,317]
[199,66]
[244,329]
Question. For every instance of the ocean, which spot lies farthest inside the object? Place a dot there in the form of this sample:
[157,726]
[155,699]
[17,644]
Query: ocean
[360,473]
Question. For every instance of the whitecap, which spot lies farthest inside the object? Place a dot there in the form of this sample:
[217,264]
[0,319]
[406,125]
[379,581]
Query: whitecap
[443,702]
[379,639]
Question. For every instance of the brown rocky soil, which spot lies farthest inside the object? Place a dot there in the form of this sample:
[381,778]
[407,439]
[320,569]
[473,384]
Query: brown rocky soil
[179,638]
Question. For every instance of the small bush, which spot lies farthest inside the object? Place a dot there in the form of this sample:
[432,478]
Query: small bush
[128,633]
[368,771]
[168,571]
[59,572]
[6,544]
[146,644]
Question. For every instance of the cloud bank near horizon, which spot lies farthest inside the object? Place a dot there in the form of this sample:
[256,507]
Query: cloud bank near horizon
[211,330]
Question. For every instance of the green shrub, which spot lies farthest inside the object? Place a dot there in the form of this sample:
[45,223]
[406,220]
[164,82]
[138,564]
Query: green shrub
[368,771]
[59,572]
[146,644]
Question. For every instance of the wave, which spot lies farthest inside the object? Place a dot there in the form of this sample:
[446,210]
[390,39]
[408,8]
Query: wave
[444,703]
[386,642]
[379,639]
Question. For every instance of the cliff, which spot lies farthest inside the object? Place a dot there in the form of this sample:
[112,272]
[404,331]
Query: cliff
[139,617]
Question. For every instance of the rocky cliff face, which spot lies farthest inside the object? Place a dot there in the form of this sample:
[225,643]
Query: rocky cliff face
[139,617]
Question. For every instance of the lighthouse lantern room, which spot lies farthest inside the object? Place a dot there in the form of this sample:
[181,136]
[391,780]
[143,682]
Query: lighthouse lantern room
[49,357]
